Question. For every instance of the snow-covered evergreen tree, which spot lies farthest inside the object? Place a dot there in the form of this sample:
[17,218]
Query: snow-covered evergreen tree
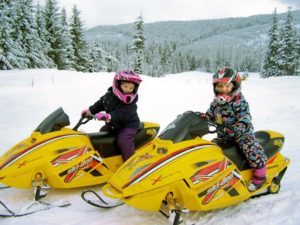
[12,55]
[138,45]
[97,59]
[271,61]
[24,32]
[288,47]
[53,26]
[43,34]
[78,41]
[207,65]
[66,46]
[152,66]
[298,52]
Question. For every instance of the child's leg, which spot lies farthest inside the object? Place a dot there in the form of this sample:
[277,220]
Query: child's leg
[259,175]
[126,142]
[257,159]
[253,151]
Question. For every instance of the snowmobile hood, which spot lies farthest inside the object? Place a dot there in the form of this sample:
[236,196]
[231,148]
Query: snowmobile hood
[18,151]
[33,153]
[30,146]
[156,165]
[161,157]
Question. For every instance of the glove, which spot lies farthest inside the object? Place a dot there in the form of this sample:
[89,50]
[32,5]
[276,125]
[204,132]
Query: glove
[103,116]
[85,113]
[203,116]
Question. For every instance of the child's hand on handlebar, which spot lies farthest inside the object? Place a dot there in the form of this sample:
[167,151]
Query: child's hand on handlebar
[86,113]
[203,116]
[103,116]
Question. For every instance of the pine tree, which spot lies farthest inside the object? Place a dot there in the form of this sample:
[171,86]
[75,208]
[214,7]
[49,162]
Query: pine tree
[43,34]
[288,47]
[53,27]
[66,46]
[78,41]
[24,32]
[298,54]
[207,65]
[138,45]
[271,62]
[96,61]
[12,55]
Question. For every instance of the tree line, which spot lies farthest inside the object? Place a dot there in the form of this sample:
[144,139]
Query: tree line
[283,50]
[44,37]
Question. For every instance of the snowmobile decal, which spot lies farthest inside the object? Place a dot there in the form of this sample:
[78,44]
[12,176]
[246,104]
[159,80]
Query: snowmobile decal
[137,160]
[164,161]
[157,180]
[270,161]
[85,164]
[26,151]
[206,173]
[278,143]
[26,162]
[18,146]
[226,184]
[62,159]
[212,191]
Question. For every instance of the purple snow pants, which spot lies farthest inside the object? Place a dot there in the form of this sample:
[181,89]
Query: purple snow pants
[125,142]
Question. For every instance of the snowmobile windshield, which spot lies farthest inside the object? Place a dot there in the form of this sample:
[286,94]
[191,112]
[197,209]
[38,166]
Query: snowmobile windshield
[54,122]
[185,127]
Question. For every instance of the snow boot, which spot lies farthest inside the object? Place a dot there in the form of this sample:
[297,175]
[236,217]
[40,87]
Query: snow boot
[258,179]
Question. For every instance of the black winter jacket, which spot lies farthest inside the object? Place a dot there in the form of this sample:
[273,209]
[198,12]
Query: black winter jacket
[122,115]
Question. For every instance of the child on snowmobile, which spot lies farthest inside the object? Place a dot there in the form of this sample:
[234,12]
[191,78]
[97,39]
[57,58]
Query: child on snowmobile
[118,109]
[230,108]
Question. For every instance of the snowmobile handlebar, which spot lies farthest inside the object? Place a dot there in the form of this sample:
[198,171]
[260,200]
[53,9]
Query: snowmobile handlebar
[214,124]
[83,120]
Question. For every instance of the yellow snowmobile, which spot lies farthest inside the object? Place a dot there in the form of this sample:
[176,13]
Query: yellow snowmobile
[60,157]
[180,171]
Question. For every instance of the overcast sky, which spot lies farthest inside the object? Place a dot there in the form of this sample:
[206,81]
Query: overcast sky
[112,12]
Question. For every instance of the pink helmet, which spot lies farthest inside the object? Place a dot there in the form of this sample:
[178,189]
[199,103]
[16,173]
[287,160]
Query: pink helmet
[129,76]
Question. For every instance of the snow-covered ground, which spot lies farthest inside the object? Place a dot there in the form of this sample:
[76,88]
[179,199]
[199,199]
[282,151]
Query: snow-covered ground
[27,97]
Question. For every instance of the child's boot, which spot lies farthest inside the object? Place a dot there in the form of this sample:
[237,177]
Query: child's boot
[258,179]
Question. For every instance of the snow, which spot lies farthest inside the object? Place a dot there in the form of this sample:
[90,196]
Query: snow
[28,96]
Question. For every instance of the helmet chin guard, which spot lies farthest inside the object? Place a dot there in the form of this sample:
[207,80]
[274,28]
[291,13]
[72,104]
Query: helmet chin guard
[127,76]
[223,99]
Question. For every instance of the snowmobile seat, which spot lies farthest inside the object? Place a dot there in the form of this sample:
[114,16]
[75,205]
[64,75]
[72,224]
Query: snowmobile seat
[232,151]
[270,145]
[106,144]
[236,155]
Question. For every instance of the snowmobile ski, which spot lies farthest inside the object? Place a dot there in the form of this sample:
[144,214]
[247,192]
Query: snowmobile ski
[34,207]
[99,201]
[3,186]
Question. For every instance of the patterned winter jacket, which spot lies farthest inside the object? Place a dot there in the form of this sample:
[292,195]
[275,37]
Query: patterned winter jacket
[235,114]
[122,115]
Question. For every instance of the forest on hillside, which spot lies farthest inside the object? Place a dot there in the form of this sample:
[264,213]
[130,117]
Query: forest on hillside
[238,42]
[44,36]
